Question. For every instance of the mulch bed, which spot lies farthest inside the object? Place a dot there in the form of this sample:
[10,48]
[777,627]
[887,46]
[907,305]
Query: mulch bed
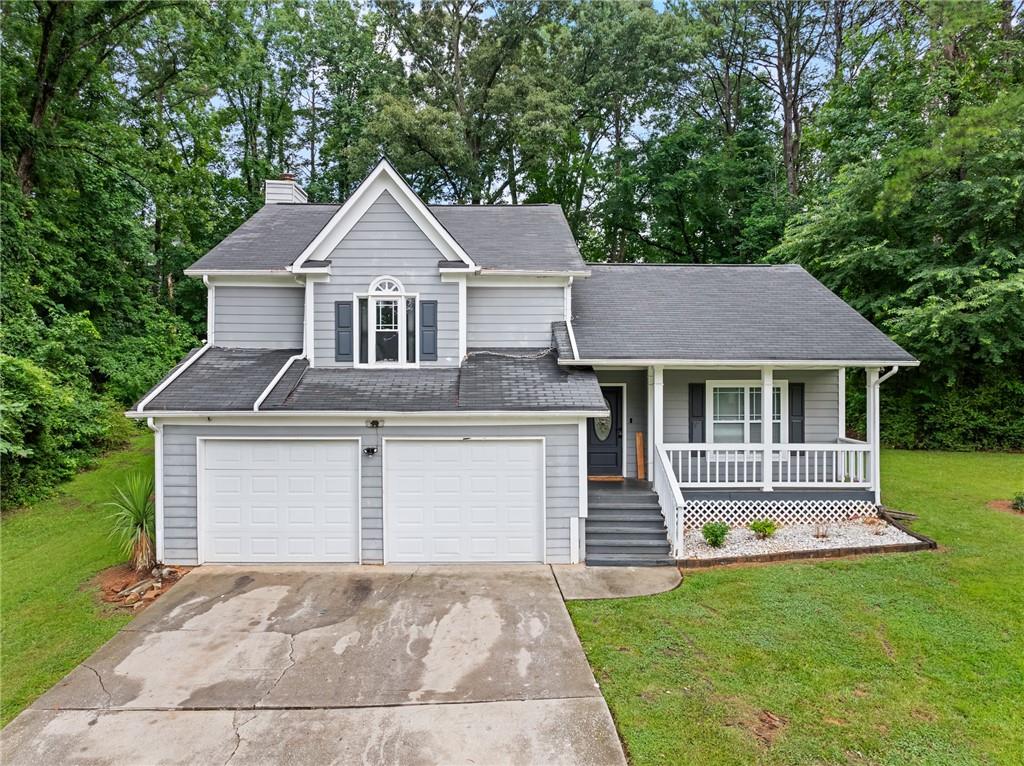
[125,589]
[923,543]
[1006,506]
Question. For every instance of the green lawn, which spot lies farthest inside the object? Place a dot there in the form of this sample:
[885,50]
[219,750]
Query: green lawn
[911,658]
[50,550]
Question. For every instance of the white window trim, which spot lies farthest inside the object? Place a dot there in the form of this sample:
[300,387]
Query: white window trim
[373,296]
[746,384]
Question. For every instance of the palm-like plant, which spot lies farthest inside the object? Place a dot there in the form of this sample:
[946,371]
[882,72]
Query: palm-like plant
[134,519]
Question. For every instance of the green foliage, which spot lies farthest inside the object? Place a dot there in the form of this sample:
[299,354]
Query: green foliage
[51,549]
[714,533]
[763,528]
[134,519]
[1018,502]
[921,226]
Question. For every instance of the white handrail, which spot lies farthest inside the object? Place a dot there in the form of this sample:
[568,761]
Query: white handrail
[670,498]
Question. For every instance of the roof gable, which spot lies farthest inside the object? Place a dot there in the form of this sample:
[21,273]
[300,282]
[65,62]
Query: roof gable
[383,178]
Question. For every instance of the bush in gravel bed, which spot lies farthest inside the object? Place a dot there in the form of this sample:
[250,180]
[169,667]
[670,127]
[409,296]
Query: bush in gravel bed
[1018,502]
[763,528]
[715,533]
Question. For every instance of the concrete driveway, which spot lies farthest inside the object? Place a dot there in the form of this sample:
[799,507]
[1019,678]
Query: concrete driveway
[332,665]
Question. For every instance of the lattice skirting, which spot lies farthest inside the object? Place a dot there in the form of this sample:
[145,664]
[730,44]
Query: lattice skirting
[739,513]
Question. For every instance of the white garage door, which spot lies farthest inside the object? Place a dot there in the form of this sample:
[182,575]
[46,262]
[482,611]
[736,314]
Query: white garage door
[277,500]
[464,500]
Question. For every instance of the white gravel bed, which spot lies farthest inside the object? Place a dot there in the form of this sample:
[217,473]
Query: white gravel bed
[860,533]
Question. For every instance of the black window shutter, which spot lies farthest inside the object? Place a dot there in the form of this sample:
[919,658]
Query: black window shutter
[796,413]
[343,331]
[364,331]
[698,434]
[428,331]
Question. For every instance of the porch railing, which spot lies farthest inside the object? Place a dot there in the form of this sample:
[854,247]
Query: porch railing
[846,464]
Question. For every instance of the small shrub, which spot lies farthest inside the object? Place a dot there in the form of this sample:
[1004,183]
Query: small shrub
[715,533]
[763,528]
[134,519]
[1018,502]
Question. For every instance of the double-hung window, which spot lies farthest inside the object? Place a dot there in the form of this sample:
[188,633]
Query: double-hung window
[734,411]
[386,325]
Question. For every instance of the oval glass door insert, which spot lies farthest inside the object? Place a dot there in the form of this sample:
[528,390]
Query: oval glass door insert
[603,426]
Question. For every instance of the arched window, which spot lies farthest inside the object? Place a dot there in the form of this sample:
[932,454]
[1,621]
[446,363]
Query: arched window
[387,324]
[386,285]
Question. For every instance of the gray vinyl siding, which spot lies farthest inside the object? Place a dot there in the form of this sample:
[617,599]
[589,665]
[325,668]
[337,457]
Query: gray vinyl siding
[179,471]
[636,409]
[386,242]
[821,403]
[258,317]
[512,317]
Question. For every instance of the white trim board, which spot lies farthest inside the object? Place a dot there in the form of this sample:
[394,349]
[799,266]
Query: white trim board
[543,484]
[739,364]
[167,381]
[200,487]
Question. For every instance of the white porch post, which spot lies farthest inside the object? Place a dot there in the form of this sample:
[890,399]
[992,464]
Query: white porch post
[873,430]
[767,422]
[650,423]
[659,409]
[841,381]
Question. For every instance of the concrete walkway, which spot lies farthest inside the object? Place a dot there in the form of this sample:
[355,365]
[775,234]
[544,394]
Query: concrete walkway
[332,665]
[579,582]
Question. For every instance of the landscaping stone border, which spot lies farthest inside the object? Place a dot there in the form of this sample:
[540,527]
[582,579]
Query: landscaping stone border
[923,544]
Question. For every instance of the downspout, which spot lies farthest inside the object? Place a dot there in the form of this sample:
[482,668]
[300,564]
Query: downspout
[158,454]
[210,309]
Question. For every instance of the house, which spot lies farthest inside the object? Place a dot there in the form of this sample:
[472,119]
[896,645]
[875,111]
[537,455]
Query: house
[390,381]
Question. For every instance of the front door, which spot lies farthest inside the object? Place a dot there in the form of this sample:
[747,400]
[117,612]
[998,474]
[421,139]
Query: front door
[604,437]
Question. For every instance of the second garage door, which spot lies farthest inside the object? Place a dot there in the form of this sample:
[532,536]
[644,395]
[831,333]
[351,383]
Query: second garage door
[468,500]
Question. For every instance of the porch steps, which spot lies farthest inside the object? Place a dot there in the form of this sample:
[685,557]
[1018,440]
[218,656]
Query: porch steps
[625,526]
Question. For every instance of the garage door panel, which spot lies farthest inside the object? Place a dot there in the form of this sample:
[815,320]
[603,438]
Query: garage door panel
[464,500]
[280,501]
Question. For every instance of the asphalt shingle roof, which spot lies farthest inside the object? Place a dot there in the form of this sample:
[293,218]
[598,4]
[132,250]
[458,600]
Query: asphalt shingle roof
[271,239]
[560,340]
[743,313]
[503,237]
[513,237]
[489,380]
[222,379]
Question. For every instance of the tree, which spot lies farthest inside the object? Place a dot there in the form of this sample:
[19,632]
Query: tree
[922,234]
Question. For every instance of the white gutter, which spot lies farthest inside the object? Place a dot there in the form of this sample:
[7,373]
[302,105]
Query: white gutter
[173,377]
[235,272]
[361,414]
[740,363]
[274,382]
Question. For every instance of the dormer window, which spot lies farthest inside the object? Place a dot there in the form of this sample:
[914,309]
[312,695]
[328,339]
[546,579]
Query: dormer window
[387,324]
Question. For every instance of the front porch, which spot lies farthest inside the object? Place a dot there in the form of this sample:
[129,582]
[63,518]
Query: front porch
[697,435]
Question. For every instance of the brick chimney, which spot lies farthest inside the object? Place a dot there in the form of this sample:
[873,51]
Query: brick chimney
[283,189]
